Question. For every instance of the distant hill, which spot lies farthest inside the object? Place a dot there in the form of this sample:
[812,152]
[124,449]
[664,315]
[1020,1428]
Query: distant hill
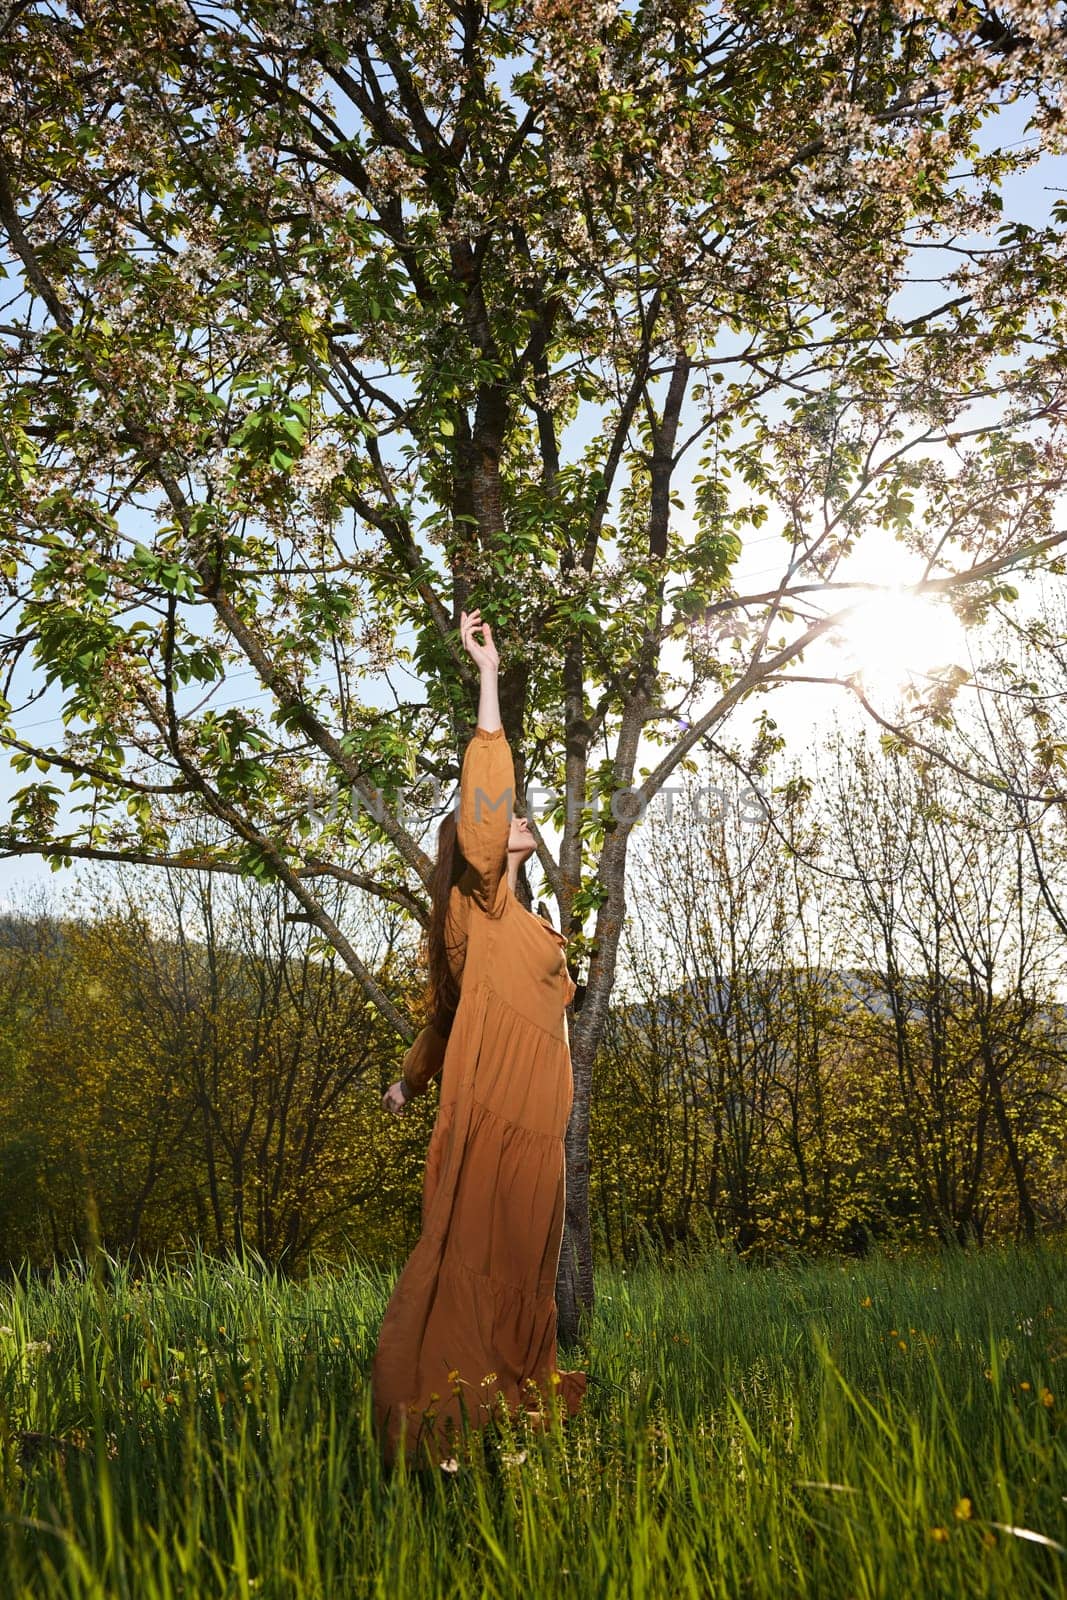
[19,932]
[854,989]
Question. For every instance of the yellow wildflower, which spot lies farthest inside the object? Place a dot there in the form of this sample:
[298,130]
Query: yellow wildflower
[963,1509]
[939,1535]
[1048,1399]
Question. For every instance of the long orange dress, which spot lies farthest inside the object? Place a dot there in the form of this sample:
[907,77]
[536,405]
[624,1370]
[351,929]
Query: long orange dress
[471,1324]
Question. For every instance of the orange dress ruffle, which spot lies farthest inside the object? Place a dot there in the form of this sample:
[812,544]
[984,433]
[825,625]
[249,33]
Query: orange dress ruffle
[470,1328]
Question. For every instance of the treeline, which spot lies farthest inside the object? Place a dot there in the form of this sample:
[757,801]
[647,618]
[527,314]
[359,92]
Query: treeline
[810,1111]
[865,1036]
[196,1066]
[837,1023]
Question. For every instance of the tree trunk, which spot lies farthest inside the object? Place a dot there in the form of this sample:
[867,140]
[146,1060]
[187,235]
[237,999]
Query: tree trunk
[574,1279]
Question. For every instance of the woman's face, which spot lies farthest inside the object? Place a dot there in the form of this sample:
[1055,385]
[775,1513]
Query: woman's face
[520,839]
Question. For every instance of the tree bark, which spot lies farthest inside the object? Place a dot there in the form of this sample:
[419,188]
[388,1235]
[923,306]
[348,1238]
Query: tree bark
[574,1279]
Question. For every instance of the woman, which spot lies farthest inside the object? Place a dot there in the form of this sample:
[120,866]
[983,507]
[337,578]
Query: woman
[471,1325]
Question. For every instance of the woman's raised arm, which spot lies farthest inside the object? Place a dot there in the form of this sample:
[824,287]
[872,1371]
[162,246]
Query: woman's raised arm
[487,779]
[486,797]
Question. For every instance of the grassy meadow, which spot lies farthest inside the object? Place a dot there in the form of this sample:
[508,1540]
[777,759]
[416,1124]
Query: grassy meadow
[890,1428]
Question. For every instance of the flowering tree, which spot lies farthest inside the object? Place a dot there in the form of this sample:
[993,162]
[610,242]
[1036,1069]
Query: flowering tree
[329,318]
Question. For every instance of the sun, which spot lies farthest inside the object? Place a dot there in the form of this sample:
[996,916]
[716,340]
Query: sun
[895,636]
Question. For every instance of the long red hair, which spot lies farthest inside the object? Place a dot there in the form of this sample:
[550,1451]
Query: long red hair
[442,990]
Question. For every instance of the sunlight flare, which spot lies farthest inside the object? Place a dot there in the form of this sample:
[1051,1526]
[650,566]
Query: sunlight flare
[897,635]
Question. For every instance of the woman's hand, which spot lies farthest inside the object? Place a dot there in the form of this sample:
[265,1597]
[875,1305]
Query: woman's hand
[483,653]
[395,1098]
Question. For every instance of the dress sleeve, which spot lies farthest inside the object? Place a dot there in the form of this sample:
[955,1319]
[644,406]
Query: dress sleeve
[486,803]
[424,1060]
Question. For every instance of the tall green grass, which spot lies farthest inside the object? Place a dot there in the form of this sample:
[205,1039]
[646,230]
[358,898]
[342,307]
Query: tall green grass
[825,1430]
